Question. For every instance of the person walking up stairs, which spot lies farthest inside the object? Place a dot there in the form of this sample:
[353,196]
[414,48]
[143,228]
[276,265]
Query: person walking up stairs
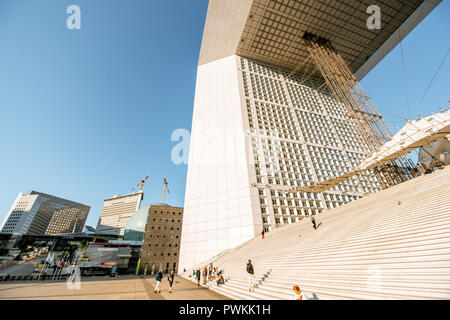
[251,276]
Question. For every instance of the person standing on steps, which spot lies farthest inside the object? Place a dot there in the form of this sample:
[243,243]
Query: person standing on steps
[170,278]
[210,271]
[298,294]
[158,279]
[262,234]
[220,280]
[251,276]
[197,275]
[214,275]
[205,274]
[313,222]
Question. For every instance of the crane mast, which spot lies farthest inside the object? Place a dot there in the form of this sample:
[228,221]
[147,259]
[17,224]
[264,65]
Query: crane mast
[164,190]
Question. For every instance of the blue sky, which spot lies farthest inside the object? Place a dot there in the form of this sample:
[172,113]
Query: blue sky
[85,114]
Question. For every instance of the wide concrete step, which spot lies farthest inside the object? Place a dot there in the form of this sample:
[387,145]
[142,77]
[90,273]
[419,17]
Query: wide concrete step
[243,290]
[279,285]
[407,243]
[385,282]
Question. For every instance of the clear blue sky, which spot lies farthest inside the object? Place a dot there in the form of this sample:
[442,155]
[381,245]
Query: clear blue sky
[85,114]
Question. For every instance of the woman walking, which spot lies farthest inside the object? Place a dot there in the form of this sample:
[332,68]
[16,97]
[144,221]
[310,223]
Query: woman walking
[170,278]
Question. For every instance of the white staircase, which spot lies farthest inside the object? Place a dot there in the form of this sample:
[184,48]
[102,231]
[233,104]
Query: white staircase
[373,248]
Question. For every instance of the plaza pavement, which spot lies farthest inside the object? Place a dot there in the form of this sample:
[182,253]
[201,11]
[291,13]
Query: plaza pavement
[106,288]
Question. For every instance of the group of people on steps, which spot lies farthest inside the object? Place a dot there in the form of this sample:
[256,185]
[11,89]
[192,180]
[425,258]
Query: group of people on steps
[209,273]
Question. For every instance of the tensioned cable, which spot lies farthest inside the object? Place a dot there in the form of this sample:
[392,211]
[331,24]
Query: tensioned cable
[394,115]
[404,75]
[434,77]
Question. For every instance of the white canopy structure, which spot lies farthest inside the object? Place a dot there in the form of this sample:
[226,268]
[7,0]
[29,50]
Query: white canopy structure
[437,150]
[415,134]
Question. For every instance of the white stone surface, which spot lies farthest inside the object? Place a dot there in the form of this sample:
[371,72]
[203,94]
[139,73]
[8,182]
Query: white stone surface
[218,210]
[389,245]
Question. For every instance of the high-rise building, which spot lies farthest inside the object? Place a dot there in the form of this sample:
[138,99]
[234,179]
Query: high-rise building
[161,243]
[40,213]
[117,211]
[269,118]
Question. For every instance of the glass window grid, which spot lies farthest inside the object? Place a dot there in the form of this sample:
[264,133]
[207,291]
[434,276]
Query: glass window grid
[286,162]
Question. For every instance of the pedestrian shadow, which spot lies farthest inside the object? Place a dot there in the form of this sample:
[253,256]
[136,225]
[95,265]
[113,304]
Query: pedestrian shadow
[320,223]
[314,297]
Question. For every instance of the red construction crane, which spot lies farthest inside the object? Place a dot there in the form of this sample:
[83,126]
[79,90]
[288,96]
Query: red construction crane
[140,184]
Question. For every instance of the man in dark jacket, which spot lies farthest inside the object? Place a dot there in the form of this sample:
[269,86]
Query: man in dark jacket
[158,278]
[251,276]
[313,222]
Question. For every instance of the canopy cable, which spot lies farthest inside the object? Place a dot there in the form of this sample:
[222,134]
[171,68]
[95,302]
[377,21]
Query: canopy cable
[434,77]
[404,75]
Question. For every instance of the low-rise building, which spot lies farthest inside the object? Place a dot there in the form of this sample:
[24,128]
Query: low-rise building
[161,243]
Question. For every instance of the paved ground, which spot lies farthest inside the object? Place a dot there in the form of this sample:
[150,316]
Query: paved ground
[105,288]
[24,268]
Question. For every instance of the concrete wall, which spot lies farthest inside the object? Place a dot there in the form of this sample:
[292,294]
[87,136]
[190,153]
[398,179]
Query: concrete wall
[218,207]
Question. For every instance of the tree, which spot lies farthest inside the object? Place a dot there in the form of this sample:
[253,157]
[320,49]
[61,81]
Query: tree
[83,244]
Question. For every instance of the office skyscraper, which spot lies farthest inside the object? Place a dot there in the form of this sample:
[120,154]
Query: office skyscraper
[40,213]
[267,122]
[117,211]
